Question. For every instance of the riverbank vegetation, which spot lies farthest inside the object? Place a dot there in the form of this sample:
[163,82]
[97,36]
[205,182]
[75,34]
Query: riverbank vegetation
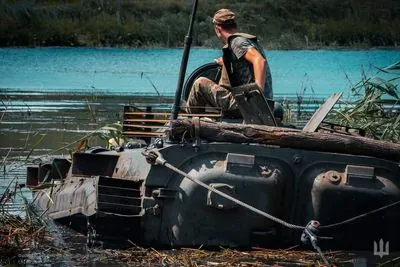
[280,24]
[375,107]
[22,229]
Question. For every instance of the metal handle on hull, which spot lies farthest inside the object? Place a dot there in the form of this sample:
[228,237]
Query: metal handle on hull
[154,157]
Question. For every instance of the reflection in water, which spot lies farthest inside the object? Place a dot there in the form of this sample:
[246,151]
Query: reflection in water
[35,125]
[12,184]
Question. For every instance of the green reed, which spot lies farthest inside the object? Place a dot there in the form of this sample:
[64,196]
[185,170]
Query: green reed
[376,105]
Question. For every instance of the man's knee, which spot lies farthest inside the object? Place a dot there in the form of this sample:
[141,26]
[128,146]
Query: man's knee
[201,83]
[203,80]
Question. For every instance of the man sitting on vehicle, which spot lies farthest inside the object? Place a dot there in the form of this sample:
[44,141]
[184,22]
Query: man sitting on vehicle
[243,62]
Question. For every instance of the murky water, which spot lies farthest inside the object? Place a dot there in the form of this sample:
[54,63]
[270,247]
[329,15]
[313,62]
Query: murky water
[39,125]
[12,180]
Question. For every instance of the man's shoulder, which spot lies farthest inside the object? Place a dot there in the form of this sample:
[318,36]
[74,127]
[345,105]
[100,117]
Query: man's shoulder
[242,40]
[245,35]
[238,41]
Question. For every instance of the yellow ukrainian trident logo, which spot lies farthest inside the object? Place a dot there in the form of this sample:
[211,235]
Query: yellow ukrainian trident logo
[382,250]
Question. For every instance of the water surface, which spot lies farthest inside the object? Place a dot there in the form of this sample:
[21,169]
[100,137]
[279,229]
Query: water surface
[135,71]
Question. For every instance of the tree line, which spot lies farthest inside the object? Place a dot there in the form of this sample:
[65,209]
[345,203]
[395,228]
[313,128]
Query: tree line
[279,24]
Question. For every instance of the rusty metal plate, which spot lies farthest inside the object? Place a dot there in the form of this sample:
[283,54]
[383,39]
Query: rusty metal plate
[94,164]
[321,113]
[32,173]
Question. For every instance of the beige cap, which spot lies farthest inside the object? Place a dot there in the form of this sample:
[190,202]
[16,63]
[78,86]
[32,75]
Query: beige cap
[224,17]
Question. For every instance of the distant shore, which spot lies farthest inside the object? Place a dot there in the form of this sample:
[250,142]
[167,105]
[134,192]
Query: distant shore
[266,46]
[281,24]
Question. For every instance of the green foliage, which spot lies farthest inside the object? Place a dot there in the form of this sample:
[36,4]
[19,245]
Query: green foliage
[279,24]
[107,136]
[376,106]
[110,134]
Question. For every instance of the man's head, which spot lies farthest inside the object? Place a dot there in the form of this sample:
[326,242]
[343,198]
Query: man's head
[224,20]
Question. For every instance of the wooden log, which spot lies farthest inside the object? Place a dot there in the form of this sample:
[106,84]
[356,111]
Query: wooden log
[285,137]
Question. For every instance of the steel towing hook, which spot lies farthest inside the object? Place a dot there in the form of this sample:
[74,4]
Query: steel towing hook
[310,236]
[310,232]
[153,157]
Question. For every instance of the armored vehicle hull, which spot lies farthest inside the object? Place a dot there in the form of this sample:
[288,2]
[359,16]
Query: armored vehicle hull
[110,194]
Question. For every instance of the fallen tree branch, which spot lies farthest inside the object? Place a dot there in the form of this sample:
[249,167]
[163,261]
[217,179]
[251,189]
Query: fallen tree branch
[285,137]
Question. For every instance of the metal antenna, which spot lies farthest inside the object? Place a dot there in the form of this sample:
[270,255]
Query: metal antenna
[185,57]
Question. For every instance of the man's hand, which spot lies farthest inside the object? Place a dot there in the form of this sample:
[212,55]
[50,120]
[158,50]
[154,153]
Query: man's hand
[219,61]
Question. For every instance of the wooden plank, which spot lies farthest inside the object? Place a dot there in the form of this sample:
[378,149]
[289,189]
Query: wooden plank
[146,120]
[211,115]
[145,126]
[322,111]
[217,115]
[144,134]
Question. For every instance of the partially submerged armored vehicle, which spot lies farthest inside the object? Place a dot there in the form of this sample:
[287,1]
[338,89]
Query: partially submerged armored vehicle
[205,179]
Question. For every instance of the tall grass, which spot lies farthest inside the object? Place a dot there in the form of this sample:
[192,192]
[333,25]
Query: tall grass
[376,105]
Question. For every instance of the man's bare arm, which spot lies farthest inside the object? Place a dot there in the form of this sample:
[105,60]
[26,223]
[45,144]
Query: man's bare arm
[258,62]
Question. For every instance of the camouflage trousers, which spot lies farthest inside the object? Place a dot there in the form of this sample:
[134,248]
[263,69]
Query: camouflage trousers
[205,92]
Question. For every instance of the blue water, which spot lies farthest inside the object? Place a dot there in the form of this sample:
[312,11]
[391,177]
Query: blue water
[132,71]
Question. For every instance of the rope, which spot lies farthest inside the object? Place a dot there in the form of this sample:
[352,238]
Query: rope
[119,214]
[322,255]
[309,236]
[359,216]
